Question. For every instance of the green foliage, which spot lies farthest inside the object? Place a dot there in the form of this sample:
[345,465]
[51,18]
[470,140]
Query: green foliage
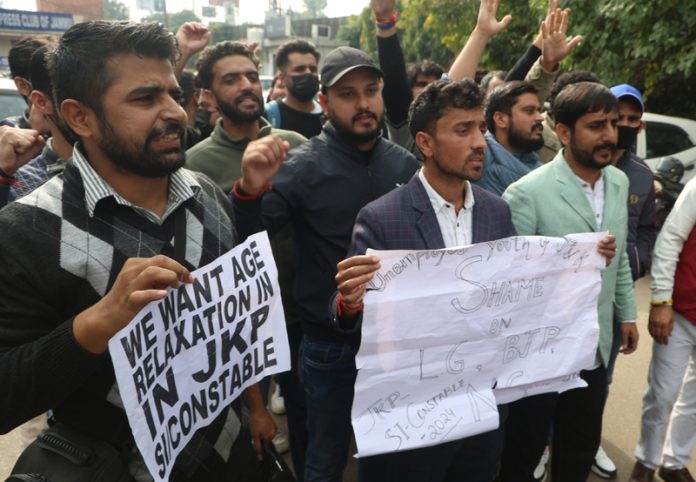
[647,44]
[313,9]
[115,10]
[350,32]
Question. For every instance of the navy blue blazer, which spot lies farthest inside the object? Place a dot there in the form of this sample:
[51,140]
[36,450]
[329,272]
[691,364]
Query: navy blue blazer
[404,219]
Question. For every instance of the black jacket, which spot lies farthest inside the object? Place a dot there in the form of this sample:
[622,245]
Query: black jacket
[642,228]
[320,189]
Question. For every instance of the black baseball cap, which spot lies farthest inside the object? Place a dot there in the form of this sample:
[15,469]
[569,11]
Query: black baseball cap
[342,60]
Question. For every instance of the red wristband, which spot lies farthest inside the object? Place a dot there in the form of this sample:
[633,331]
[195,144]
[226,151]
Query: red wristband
[390,20]
[9,181]
[342,308]
[240,194]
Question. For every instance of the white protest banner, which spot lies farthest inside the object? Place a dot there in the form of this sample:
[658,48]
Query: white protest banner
[184,359]
[448,334]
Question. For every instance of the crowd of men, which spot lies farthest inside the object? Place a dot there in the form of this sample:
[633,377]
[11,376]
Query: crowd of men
[121,150]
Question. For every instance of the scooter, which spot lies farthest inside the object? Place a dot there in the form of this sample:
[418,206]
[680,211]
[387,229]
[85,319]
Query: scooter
[668,175]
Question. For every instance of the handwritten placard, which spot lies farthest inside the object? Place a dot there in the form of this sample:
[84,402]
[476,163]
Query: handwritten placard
[449,334]
[184,359]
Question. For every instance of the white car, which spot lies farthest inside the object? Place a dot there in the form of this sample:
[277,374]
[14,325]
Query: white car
[666,136]
[11,103]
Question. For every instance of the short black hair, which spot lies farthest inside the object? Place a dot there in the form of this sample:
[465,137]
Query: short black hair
[282,54]
[220,50]
[78,66]
[569,78]
[187,86]
[425,67]
[38,71]
[582,98]
[431,104]
[493,74]
[504,97]
[20,54]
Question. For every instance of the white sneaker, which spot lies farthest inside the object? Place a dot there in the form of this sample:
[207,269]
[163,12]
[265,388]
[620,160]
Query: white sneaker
[603,465]
[281,443]
[540,470]
[277,403]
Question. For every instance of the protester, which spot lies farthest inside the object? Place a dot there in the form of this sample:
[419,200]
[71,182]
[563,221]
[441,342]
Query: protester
[58,148]
[400,87]
[231,84]
[578,191]
[667,422]
[297,62]
[19,57]
[438,208]
[102,234]
[513,117]
[229,76]
[320,191]
[551,143]
[492,80]
[642,220]
[277,90]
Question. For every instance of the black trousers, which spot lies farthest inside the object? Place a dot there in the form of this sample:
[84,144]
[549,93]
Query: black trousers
[576,417]
[473,459]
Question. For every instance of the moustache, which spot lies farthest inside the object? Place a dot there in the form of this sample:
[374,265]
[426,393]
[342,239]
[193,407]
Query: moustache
[248,95]
[169,128]
[606,145]
[367,113]
[538,126]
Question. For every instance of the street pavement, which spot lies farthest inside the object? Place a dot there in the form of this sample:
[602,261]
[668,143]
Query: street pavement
[621,417]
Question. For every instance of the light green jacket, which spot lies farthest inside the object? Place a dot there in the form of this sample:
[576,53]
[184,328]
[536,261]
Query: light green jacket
[549,201]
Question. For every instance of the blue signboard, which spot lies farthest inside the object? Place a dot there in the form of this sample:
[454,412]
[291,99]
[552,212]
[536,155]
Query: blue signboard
[35,21]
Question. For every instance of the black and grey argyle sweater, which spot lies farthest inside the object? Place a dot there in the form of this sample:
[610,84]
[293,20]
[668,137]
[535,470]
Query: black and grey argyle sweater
[61,248]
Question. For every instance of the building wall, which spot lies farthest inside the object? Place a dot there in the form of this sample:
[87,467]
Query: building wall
[81,9]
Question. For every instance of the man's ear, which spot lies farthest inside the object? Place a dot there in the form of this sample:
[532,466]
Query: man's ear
[41,102]
[424,141]
[642,126]
[80,118]
[23,86]
[324,102]
[563,132]
[207,100]
[501,120]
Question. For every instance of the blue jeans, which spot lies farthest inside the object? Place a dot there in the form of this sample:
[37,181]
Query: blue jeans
[327,371]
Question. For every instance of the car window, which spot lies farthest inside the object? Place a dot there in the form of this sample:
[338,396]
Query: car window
[665,139]
[11,104]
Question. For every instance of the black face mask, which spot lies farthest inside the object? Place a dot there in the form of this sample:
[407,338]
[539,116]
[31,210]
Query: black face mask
[303,87]
[627,137]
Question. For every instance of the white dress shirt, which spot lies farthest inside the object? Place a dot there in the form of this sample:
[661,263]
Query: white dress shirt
[456,228]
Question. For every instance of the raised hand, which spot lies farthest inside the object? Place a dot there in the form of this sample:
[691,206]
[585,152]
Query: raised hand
[17,147]
[382,8]
[192,37]
[261,160]
[487,22]
[555,44]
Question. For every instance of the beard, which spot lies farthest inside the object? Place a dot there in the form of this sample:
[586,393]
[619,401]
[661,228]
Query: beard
[348,132]
[233,113]
[142,160]
[587,158]
[525,143]
[465,173]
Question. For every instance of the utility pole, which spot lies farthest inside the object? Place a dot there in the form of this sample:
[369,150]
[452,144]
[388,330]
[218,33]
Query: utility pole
[274,6]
